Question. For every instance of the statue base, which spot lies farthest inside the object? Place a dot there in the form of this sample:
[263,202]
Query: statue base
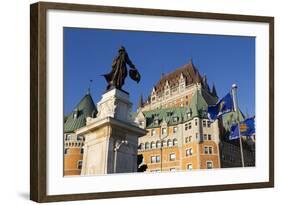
[116,104]
[111,139]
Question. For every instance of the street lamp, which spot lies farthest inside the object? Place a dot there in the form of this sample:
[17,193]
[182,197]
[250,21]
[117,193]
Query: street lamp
[117,146]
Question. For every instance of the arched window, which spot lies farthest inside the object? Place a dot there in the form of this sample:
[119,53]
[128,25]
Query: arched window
[169,143]
[175,142]
[158,144]
[147,145]
[79,164]
[152,145]
[141,146]
[66,150]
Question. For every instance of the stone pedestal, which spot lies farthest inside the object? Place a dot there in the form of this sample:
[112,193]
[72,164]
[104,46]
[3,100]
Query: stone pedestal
[116,104]
[111,138]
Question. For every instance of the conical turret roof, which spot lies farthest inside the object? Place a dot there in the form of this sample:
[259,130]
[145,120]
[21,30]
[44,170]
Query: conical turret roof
[77,118]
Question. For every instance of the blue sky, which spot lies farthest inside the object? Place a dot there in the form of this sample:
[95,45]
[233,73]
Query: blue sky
[88,53]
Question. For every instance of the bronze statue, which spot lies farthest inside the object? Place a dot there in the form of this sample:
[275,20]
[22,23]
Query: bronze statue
[116,77]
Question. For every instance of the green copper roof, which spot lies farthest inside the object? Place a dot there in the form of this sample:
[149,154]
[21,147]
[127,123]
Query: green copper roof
[196,108]
[169,115]
[77,118]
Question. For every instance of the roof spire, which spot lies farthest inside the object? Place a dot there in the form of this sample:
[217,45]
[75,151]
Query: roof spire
[214,91]
[89,88]
[140,103]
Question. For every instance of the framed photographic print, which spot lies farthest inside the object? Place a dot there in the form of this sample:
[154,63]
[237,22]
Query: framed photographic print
[136,102]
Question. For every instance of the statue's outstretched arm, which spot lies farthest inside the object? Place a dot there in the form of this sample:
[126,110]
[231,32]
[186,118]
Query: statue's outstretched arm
[129,62]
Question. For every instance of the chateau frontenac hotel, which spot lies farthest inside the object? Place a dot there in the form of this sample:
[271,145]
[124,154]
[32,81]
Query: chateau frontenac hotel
[179,135]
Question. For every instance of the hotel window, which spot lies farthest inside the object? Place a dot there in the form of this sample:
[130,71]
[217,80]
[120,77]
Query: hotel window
[172,157]
[80,138]
[146,145]
[153,132]
[172,169]
[158,144]
[68,137]
[189,152]
[196,135]
[188,139]
[82,151]
[208,150]
[153,145]
[66,150]
[209,165]
[153,159]
[158,158]
[195,122]
[189,167]
[209,123]
[164,131]
[79,164]
[189,125]
[209,137]
[204,123]
[170,143]
[175,142]
[141,146]
[186,126]
[205,137]
[175,129]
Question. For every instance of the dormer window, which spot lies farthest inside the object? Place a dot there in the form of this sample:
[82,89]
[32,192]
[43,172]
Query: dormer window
[75,113]
[156,121]
[175,119]
[80,138]
[153,132]
[141,123]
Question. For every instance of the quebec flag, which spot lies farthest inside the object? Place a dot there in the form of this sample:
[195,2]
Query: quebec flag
[225,105]
[247,128]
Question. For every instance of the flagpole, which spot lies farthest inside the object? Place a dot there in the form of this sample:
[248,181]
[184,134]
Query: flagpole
[236,109]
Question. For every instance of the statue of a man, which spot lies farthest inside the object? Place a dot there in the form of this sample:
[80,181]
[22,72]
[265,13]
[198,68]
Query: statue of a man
[116,77]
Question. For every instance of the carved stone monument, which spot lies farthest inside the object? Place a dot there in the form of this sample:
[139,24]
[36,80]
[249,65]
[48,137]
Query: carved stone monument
[111,143]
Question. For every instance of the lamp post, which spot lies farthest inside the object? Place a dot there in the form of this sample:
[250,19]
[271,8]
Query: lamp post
[117,146]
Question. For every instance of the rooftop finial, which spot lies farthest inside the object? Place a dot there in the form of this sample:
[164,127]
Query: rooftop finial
[89,88]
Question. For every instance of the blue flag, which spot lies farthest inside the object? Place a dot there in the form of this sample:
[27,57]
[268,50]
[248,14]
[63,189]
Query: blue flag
[247,128]
[225,105]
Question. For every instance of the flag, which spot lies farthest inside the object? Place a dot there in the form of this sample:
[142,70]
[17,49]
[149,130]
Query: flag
[247,128]
[225,105]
